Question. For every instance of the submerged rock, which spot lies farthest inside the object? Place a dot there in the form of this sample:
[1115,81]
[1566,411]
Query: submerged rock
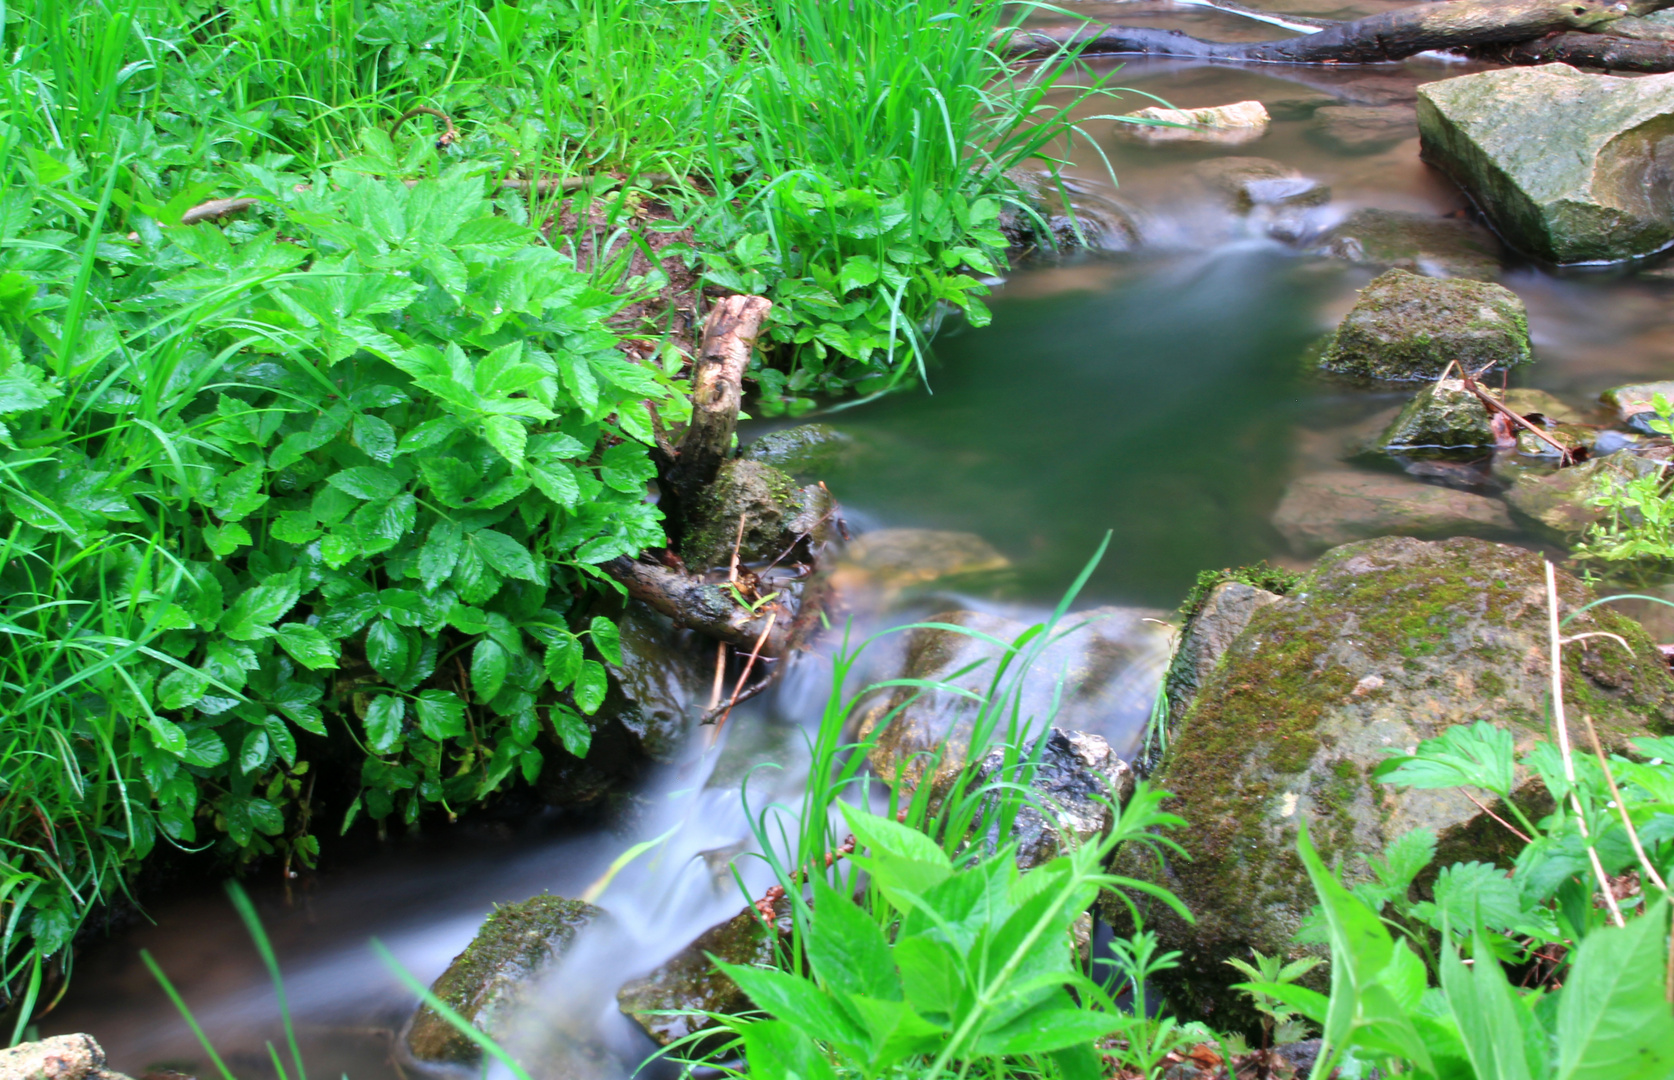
[1363,129]
[1385,643]
[888,563]
[62,1057]
[807,451]
[1569,167]
[1324,509]
[1073,773]
[1235,123]
[1432,246]
[1407,327]
[486,983]
[690,981]
[777,516]
[1247,182]
[1110,661]
[1562,501]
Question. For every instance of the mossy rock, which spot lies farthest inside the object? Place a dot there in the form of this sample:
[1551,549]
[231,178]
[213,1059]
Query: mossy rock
[689,981]
[487,982]
[1445,415]
[1634,403]
[1385,643]
[1110,664]
[1422,243]
[1406,327]
[1569,166]
[808,451]
[1562,500]
[777,515]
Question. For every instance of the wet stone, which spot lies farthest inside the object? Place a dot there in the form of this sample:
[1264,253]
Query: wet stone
[1228,124]
[1383,644]
[1569,166]
[1073,772]
[1363,129]
[1324,509]
[1634,403]
[1563,500]
[890,563]
[487,982]
[807,452]
[691,981]
[777,515]
[1421,243]
[1407,327]
[1110,662]
[1247,182]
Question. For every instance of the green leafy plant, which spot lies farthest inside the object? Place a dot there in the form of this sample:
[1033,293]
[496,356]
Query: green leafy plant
[1279,1022]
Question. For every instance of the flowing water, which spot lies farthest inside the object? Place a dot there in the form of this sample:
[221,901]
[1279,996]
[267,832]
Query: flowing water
[1156,389]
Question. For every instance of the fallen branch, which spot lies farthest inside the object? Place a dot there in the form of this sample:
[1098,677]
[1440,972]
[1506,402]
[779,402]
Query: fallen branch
[1565,454]
[703,606]
[215,209]
[1586,50]
[1393,35]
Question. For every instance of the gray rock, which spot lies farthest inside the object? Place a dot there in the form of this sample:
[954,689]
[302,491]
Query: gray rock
[777,515]
[1385,643]
[1073,773]
[1324,509]
[487,982]
[1569,167]
[663,683]
[1407,327]
[1247,182]
[62,1057]
[807,452]
[1363,129]
[1109,660]
[1421,243]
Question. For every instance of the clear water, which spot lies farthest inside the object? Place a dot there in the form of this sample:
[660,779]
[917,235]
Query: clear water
[1158,393]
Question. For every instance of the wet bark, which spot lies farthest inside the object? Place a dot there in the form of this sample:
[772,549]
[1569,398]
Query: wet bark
[702,606]
[1393,35]
[1587,50]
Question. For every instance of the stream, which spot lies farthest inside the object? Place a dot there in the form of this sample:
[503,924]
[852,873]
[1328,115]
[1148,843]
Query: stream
[1155,388]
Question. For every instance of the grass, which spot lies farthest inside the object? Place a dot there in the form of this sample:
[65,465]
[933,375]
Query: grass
[241,461]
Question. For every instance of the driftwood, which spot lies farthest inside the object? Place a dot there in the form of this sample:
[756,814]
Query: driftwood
[709,608]
[1587,50]
[717,392]
[1393,35]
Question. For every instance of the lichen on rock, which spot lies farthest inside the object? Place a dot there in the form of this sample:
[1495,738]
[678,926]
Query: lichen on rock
[1387,642]
[485,983]
[1406,327]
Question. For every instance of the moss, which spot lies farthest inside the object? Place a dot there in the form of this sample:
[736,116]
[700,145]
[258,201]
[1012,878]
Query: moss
[1408,327]
[515,942]
[1262,575]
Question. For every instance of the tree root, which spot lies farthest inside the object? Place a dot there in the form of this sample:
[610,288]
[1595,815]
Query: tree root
[1393,35]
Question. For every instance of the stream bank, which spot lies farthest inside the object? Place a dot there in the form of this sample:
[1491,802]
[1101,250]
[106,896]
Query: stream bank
[1162,398]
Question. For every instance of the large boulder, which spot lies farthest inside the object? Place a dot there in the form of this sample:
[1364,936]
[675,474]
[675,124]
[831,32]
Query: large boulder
[1422,243]
[1324,509]
[1570,167]
[1383,644]
[1406,327]
[487,982]
[1103,672]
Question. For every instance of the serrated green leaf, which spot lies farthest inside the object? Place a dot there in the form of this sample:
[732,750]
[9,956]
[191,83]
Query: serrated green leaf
[366,482]
[440,552]
[386,649]
[504,554]
[441,715]
[489,664]
[307,646]
[375,438]
[607,639]
[590,686]
[383,722]
[563,660]
[572,731]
